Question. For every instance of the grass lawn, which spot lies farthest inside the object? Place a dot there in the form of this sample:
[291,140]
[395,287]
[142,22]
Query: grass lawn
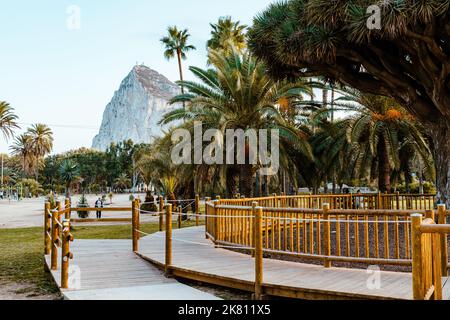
[21,252]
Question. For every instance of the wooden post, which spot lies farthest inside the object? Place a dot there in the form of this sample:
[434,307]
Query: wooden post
[55,240]
[397,199]
[67,205]
[66,255]
[275,200]
[258,253]
[138,219]
[416,238]
[216,221]
[47,229]
[168,240]
[429,214]
[253,231]
[327,235]
[180,216]
[380,204]
[442,219]
[207,199]
[134,225]
[437,270]
[197,209]
[59,208]
[161,213]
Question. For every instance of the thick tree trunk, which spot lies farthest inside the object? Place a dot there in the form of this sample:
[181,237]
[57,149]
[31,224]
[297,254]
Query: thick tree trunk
[440,134]
[247,173]
[384,169]
[232,181]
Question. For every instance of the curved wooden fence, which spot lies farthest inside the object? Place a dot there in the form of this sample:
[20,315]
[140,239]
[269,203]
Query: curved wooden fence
[337,232]
[394,201]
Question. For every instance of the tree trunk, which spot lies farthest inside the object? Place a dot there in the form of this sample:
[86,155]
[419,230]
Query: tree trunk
[325,186]
[384,170]
[440,135]
[232,181]
[247,172]
[180,67]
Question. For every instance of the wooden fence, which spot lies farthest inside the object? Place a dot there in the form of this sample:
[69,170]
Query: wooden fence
[395,201]
[377,236]
[430,260]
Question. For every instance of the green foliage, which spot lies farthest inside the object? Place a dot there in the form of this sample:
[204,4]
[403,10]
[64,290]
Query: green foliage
[51,199]
[176,42]
[32,187]
[83,203]
[227,35]
[414,188]
[149,204]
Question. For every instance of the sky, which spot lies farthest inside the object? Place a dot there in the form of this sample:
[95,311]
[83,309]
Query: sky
[61,61]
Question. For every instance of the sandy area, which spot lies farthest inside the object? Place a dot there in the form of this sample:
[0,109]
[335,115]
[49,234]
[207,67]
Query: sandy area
[15,291]
[28,212]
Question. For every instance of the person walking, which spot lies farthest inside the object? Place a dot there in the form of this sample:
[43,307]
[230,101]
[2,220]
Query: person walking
[99,204]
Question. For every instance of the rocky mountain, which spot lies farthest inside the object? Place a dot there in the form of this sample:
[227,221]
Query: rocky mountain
[136,108]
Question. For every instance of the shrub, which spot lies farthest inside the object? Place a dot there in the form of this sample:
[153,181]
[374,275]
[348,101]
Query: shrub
[149,204]
[83,203]
[32,187]
[95,188]
[51,199]
[414,188]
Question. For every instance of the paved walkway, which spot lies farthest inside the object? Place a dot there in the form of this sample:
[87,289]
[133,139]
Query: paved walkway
[109,270]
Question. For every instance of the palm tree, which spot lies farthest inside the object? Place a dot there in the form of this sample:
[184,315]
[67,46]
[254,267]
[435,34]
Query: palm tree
[386,135]
[69,174]
[41,143]
[122,182]
[176,44]
[22,148]
[238,94]
[7,120]
[157,169]
[226,35]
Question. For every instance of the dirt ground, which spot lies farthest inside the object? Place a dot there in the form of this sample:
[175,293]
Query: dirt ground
[16,291]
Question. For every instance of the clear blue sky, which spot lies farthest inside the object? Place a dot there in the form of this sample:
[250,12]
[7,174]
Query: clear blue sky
[51,74]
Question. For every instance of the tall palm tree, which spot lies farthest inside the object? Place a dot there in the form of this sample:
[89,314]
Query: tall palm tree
[41,142]
[22,148]
[238,94]
[7,120]
[176,44]
[226,35]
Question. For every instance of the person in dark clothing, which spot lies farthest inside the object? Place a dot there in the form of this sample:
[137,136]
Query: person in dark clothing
[99,204]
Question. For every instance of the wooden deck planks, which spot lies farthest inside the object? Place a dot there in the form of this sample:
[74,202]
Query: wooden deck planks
[203,259]
[109,270]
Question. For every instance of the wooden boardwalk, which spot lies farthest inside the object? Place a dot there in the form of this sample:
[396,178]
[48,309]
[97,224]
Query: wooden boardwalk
[109,270]
[195,258]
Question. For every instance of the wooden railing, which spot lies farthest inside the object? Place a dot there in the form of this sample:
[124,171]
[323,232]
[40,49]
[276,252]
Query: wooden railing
[57,235]
[378,236]
[395,201]
[430,256]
